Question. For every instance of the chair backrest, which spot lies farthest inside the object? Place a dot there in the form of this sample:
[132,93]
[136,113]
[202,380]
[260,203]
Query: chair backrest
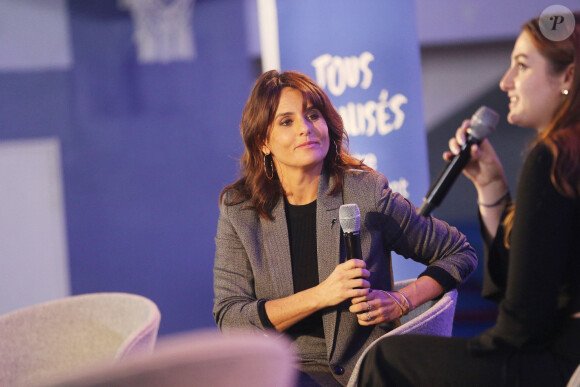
[434,318]
[203,358]
[43,341]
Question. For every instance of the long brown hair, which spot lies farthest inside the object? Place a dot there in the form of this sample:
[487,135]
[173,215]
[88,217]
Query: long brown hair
[258,115]
[563,135]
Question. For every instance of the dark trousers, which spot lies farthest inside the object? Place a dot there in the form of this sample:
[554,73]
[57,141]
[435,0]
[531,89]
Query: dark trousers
[412,360]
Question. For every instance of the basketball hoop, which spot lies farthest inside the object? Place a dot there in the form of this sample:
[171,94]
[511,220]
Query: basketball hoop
[163,29]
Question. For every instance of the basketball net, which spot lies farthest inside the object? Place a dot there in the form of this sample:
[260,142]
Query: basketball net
[163,29]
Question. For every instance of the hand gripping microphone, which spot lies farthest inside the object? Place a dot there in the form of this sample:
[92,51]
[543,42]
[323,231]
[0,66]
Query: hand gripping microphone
[483,122]
[349,218]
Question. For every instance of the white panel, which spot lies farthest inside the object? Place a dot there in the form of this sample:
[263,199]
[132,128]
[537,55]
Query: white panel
[33,252]
[34,35]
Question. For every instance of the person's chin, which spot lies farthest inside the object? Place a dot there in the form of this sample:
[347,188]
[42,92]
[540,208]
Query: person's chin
[513,118]
[520,121]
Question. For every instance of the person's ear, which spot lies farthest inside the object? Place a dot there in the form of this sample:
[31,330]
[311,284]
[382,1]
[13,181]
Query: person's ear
[266,150]
[568,77]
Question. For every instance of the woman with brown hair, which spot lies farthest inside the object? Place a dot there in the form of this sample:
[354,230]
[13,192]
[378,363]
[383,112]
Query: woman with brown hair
[279,264]
[532,262]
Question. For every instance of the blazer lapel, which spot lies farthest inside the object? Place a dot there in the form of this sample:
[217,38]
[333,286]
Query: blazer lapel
[327,228]
[277,248]
[277,251]
[328,245]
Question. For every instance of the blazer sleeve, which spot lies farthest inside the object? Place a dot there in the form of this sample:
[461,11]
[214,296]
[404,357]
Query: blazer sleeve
[450,258]
[235,303]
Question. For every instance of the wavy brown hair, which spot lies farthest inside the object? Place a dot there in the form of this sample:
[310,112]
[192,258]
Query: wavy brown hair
[563,135]
[257,118]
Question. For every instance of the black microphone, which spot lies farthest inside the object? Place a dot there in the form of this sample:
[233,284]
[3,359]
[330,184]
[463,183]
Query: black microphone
[349,218]
[483,122]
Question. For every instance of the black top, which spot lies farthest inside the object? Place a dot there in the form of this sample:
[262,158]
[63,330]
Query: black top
[301,222]
[541,288]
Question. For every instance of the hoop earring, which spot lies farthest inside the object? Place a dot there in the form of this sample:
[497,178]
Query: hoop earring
[337,156]
[271,175]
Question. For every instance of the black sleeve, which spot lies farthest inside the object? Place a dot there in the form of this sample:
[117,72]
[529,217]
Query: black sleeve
[263,315]
[495,263]
[442,277]
[542,241]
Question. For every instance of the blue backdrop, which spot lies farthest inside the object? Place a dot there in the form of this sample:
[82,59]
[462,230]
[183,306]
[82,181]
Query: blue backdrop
[365,54]
[146,150]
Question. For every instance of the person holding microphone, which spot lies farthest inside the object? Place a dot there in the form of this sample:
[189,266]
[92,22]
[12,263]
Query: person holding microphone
[532,257]
[281,264]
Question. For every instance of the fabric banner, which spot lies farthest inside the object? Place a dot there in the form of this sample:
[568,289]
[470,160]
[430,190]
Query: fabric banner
[365,55]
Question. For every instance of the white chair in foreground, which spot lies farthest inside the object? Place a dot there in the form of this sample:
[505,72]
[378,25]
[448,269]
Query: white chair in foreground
[205,358]
[45,341]
[432,318]
[575,379]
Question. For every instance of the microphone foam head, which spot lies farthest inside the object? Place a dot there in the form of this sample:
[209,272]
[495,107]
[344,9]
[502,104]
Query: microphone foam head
[483,122]
[349,217]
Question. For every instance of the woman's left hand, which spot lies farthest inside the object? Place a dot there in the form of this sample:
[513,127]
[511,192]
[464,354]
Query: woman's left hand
[379,306]
[375,308]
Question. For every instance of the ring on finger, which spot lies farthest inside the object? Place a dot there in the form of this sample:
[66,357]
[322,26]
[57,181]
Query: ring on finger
[369,318]
[369,307]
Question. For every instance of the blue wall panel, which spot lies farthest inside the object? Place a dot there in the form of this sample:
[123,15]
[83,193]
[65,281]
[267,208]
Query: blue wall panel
[146,151]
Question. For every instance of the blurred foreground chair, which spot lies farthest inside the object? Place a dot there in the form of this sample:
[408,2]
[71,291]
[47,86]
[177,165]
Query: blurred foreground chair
[575,379]
[434,318]
[45,341]
[205,358]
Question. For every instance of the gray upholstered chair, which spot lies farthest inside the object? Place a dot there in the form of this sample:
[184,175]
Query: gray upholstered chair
[45,341]
[203,358]
[432,318]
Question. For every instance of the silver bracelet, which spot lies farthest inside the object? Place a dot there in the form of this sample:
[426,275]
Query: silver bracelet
[406,300]
[396,301]
[497,202]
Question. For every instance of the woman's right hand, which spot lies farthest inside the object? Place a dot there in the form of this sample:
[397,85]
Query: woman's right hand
[484,168]
[348,280]
[486,172]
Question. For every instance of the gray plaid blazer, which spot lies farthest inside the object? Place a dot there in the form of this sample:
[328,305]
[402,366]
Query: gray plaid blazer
[252,259]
